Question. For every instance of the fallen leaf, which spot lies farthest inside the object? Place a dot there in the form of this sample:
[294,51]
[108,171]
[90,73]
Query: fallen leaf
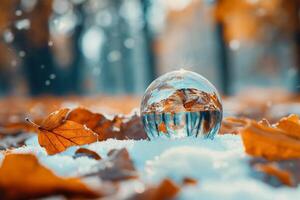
[22,177]
[120,128]
[86,117]
[55,119]
[277,173]
[133,128]
[232,125]
[65,128]
[189,181]
[282,175]
[86,152]
[166,190]
[117,167]
[290,125]
[68,134]
[269,142]
[63,133]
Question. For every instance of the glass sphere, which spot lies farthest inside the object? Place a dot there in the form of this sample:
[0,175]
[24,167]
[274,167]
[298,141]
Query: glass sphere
[181,104]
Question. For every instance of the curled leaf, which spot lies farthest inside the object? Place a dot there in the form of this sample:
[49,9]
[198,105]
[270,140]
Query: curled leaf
[189,181]
[23,177]
[117,167]
[86,152]
[269,142]
[55,119]
[290,125]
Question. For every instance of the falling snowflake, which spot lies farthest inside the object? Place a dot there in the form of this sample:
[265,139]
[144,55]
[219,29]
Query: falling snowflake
[47,82]
[114,56]
[8,36]
[52,76]
[22,54]
[129,43]
[18,13]
[22,24]
[50,43]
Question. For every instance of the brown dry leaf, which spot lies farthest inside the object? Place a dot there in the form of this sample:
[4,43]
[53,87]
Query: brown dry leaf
[22,177]
[269,142]
[290,125]
[86,117]
[277,173]
[232,125]
[272,170]
[86,152]
[65,128]
[118,167]
[119,128]
[189,181]
[133,128]
[166,190]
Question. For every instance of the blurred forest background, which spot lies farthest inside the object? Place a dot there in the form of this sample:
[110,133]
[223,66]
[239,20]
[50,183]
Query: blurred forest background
[87,47]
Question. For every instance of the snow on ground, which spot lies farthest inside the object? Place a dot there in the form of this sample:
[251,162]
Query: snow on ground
[220,166]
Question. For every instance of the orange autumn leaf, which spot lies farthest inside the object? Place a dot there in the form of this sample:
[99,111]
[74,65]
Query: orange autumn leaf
[269,142]
[68,134]
[65,128]
[57,134]
[55,119]
[86,117]
[290,125]
[105,128]
[23,177]
[283,176]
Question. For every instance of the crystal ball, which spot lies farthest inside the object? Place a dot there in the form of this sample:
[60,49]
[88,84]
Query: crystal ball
[181,104]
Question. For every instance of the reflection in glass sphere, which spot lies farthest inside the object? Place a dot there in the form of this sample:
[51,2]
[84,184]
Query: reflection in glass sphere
[181,104]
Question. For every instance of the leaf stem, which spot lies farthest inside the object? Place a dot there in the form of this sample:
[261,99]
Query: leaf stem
[32,123]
